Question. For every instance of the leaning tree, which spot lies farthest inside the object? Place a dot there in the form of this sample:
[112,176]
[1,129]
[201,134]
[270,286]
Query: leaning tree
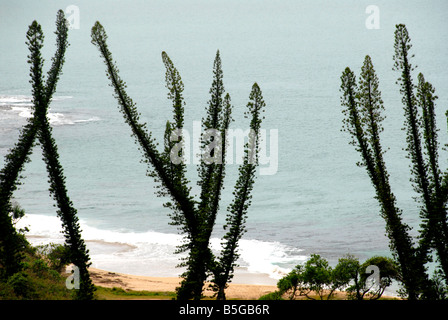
[363,110]
[195,216]
[38,126]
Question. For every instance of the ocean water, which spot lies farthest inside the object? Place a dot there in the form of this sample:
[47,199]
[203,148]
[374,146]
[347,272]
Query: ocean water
[318,200]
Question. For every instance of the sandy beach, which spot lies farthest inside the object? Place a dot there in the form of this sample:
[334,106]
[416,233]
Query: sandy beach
[239,291]
[164,284]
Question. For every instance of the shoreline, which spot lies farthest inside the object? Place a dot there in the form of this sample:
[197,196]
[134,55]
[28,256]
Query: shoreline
[235,290]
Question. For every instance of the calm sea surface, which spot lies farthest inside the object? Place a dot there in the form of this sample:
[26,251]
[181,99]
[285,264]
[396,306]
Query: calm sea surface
[318,200]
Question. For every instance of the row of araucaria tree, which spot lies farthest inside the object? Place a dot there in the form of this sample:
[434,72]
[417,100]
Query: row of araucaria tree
[195,214]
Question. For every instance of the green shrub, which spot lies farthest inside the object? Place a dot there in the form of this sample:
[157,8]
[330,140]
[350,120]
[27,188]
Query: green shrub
[316,279]
[116,290]
[39,267]
[36,280]
[20,284]
[276,295]
[57,255]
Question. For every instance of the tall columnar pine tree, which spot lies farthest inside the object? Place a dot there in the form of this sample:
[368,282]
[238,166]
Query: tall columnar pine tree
[38,126]
[235,226]
[363,111]
[425,170]
[211,176]
[363,121]
[195,218]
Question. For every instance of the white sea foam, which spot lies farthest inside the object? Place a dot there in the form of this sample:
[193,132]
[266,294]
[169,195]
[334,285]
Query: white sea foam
[24,112]
[21,105]
[152,253]
[58,119]
[269,257]
[92,119]
[7,100]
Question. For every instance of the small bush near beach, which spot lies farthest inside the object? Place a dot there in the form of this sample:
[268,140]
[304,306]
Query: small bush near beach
[349,279]
[39,278]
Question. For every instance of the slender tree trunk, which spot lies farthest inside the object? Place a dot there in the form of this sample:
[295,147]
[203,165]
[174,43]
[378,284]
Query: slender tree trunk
[413,270]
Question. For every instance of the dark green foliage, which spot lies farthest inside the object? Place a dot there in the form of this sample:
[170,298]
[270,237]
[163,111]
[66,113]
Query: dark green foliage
[363,122]
[422,138]
[179,193]
[183,204]
[439,283]
[313,278]
[37,280]
[10,255]
[292,284]
[10,248]
[9,266]
[363,111]
[346,270]
[272,296]
[45,284]
[317,278]
[21,285]
[434,232]
[195,219]
[318,275]
[121,294]
[39,127]
[57,255]
[238,208]
[356,278]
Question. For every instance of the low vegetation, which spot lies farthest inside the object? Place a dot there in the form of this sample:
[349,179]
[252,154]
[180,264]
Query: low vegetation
[39,278]
[115,293]
[42,277]
[349,279]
